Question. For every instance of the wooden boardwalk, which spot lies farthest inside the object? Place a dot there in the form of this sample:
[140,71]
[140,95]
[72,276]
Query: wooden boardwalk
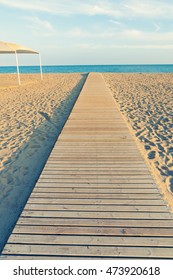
[96,197]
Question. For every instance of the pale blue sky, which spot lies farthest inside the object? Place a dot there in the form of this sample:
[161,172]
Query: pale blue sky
[90,31]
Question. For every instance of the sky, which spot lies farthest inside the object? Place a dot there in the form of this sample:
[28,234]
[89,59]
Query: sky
[75,32]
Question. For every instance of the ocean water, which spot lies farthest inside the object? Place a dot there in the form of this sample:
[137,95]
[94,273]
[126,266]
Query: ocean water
[155,68]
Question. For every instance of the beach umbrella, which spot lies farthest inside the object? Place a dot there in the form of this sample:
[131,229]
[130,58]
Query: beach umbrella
[6,48]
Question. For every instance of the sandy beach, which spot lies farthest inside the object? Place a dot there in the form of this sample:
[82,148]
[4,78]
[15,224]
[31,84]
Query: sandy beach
[32,116]
[146,101]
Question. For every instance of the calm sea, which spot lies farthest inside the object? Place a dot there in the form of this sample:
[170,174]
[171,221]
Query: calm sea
[92,68]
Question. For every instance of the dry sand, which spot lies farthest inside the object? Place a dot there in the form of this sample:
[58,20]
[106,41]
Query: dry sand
[33,115]
[146,101]
[31,118]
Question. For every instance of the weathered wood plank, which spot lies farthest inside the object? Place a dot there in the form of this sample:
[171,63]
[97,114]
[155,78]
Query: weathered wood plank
[87,168]
[103,222]
[107,231]
[94,162]
[120,185]
[47,257]
[98,172]
[97,215]
[91,240]
[121,208]
[78,175]
[113,251]
[98,201]
[97,195]
[69,258]
[97,180]
[86,190]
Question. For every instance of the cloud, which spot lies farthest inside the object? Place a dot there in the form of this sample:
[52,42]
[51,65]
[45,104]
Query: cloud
[142,46]
[40,27]
[112,8]
[77,32]
[104,8]
[130,20]
[67,7]
[125,36]
[149,8]
[124,46]
[25,5]
[136,35]
[115,22]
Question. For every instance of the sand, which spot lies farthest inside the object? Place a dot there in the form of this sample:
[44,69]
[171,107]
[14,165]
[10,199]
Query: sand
[146,101]
[33,115]
[31,118]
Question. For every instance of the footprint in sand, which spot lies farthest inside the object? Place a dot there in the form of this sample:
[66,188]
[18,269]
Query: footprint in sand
[152,155]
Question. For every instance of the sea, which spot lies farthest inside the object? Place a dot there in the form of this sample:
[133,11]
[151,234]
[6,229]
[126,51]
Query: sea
[154,68]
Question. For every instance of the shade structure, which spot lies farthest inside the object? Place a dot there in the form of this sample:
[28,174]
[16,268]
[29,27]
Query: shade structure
[10,48]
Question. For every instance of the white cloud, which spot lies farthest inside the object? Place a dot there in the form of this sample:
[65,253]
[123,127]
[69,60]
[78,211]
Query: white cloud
[149,8]
[105,9]
[124,9]
[40,27]
[67,7]
[121,28]
[124,46]
[26,5]
[125,36]
[115,22]
[136,35]
[77,32]
[142,46]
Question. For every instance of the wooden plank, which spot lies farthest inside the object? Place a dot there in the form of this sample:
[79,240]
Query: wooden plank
[70,258]
[94,162]
[96,133]
[96,215]
[102,151]
[108,157]
[109,163]
[91,154]
[113,251]
[85,190]
[76,175]
[103,186]
[103,222]
[48,257]
[104,143]
[93,140]
[97,180]
[98,201]
[107,231]
[98,157]
[121,208]
[97,195]
[92,168]
[91,240]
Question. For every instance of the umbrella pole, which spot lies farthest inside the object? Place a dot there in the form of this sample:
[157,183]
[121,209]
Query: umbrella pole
[17,65]
[41,72]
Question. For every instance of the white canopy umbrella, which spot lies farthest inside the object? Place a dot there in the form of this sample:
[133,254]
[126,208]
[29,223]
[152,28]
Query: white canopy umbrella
[6,48]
